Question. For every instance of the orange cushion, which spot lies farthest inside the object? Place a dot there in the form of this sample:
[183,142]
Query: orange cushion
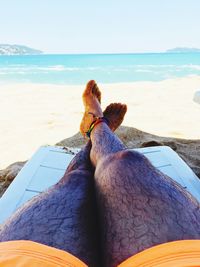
[184,253]
[27,253]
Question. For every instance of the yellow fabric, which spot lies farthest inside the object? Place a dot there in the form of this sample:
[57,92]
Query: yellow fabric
[31,254]
[185,253]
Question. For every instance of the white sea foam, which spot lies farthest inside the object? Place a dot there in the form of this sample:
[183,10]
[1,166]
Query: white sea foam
[133,68]
[58,68]
[190,66]
[153,66]
[147,71]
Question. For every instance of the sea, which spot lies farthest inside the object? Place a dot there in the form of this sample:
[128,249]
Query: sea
[104,68]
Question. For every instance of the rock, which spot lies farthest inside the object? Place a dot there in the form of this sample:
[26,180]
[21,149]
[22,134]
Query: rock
[7,175]
[189,150]
[7,49]
[76,140]
[196,97]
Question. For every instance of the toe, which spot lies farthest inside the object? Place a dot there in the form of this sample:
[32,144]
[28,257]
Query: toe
[89,87]
[108,109]
[123,110]
[118,108]
[96,92]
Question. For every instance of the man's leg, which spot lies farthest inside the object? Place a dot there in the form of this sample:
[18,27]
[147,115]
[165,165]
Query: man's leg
[139,206]
[64,216]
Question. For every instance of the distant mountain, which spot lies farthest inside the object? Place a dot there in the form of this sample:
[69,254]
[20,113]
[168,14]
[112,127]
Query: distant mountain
[183,50]
[6,49]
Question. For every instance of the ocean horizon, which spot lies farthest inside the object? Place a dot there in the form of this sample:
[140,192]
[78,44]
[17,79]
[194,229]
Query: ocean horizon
[76,69]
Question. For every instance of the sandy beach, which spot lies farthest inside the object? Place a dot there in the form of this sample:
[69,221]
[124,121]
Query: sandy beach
[32,115]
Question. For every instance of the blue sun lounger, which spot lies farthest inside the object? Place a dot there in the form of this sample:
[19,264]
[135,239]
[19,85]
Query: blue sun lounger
[49,163]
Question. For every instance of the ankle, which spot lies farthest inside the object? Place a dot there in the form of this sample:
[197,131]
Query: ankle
[97,121]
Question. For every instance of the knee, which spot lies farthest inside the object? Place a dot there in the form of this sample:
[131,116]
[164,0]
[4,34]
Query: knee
[126,158]
[122,161]
[129,155]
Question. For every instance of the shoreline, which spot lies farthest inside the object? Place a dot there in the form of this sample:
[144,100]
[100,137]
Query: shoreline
[38,114]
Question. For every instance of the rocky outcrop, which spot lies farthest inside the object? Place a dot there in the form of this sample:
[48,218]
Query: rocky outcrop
[7,175]
[183,50]
[7,49]
[189,150]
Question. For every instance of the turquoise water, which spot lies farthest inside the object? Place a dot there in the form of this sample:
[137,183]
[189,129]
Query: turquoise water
[105,68]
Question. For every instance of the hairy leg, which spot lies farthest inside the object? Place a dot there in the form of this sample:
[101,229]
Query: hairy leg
[139,206]
[63,216]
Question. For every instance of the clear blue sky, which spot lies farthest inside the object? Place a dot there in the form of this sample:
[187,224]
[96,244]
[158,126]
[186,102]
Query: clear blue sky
[100,26]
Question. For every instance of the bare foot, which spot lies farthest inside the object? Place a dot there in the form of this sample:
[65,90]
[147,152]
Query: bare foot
[115,113]
[91,100]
